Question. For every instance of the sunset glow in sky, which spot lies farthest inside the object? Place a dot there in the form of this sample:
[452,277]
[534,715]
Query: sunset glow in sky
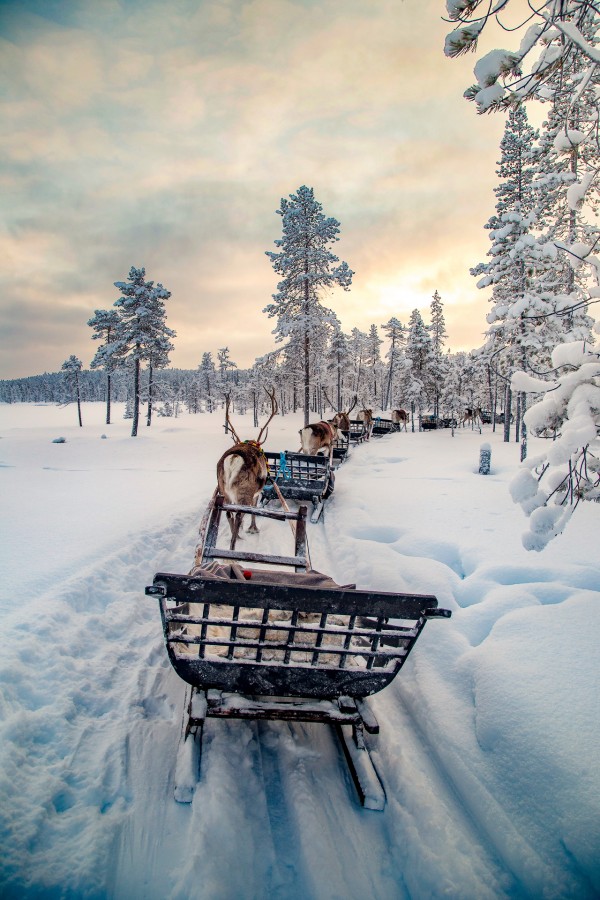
[164,135]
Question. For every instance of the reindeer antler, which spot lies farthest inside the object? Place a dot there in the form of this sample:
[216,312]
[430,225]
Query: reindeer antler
[354,404]
[327,398]
[260,439]
[235,437]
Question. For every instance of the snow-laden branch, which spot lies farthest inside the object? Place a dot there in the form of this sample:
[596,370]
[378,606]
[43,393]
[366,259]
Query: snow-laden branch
[550,486]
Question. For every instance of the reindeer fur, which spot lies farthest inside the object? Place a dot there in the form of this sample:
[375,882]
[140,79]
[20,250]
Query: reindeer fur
[317,438]
[241,475]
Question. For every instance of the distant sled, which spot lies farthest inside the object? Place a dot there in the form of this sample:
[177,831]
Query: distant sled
[295,476]
[258,636]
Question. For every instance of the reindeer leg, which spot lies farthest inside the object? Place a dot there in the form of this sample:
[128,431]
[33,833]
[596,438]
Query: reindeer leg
[253,527]
[235,530]
[230,521]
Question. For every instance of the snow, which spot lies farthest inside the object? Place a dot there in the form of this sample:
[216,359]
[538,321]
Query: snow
[489,735]
[491,66]
[567,139]
[577,191]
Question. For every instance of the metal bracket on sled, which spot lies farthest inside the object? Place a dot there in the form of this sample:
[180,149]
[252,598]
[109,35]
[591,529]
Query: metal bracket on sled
[349,717]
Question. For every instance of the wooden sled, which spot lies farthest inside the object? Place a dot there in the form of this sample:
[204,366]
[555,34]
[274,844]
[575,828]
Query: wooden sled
[383,426]
[274,640]
[357,433]
[300,477]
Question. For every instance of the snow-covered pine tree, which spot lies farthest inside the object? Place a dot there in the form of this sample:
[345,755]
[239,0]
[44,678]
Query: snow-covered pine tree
[437,330]
[338,365]
[105,324]
[307,266]
[420,356]
[72,370]
[208,380]
[567,183]
[358,351]
[142,333]
[224,364]
[373,360]
[452,398]
[519,270]
[567,66]
[158,339]
[396,334]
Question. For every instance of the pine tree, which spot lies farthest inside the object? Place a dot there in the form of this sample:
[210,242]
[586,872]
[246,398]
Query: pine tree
[225,364]
[373,360]
[105,323]
[420,357]
[437,330]
[358,352]
[72,370]
[566,74]
[307,267]
[142,333]
[567,183]
[207,380]
[338,364]
[520,270]
[396,334]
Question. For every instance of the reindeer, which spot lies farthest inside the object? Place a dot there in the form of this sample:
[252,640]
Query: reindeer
[400,418]
[366,416]
[472,417]
[242,472]
[318,438]
[341,419]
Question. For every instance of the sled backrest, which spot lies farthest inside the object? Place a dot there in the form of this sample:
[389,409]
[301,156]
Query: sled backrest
[284,634]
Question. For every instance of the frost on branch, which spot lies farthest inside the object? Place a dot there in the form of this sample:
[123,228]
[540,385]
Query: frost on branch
[550,486]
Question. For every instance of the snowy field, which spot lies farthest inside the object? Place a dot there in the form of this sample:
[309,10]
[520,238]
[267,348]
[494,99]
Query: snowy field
[490,737]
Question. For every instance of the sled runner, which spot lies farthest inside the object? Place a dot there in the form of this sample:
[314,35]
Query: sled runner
[273,639]
[300,477]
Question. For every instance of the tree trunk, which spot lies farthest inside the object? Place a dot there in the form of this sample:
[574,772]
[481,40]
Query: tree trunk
[494,405]
[78,400]
[523,427]
[108,398]
[492,402]
[306,379]
[150,387]
[507,406]
[136,398]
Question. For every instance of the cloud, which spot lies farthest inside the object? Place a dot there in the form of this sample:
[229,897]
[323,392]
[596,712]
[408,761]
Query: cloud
[165,136]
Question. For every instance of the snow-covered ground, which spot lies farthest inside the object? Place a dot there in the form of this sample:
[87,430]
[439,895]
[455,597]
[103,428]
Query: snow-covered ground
[490,743]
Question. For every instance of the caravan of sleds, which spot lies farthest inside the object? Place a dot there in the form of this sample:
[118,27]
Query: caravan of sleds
[265,636]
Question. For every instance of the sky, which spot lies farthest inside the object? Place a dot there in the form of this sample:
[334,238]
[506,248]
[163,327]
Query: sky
[164,135]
